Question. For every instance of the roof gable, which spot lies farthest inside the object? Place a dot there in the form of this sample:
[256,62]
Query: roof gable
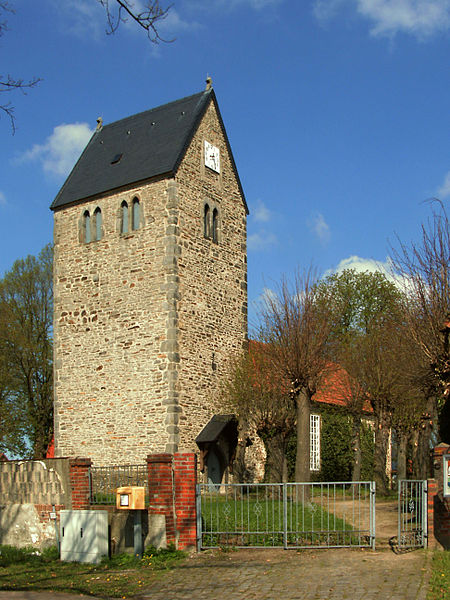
[137,148]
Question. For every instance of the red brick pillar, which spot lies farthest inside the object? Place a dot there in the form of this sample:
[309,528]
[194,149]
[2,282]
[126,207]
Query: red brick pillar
[79,482]
[432,491]
[441,503]
[161,491]
[185,478]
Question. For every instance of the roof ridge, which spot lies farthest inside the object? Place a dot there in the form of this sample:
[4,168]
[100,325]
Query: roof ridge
[150,110]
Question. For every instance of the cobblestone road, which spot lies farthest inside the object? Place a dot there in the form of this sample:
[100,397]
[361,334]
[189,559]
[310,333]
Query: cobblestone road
[289,575]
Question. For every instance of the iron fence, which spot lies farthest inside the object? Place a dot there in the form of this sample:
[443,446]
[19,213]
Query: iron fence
[288,515]
[412,514]
[104,481]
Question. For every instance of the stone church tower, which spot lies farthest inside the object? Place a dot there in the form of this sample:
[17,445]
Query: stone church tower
[150,283]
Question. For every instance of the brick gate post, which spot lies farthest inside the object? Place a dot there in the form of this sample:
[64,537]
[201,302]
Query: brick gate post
[185,476]
[79,482]
[441,503]
[161,491]
[171,484]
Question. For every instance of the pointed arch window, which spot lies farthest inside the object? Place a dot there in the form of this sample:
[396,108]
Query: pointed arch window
[215,226]
[206,222]
[86,227]
[98,224]
[136,214]
[124,217]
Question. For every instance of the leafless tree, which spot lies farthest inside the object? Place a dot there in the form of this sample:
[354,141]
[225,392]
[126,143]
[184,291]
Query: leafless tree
[259,398]
[425,266]
[296,333]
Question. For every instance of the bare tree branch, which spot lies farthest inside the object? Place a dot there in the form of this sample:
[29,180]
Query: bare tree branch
[119,11]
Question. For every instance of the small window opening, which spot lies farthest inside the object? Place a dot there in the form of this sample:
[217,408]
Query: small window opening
[206,222]
[136,216]
[116,159]
[87,227]
[124,217]
[98,224]
[215,226]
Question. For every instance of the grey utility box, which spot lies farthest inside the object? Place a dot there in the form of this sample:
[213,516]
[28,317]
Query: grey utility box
[84,535]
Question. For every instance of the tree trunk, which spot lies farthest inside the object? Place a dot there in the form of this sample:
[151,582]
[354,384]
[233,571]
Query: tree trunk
[402,444]
[303,410]
[381,449]
[356,447]
[275,468]
[239,467]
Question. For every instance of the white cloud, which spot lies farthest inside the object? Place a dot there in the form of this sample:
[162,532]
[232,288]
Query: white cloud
[82,17]
[421,18]
[361,265]
[61,149]
[2,199]
[444,190]
[319,227]
[261,240]
[261,213]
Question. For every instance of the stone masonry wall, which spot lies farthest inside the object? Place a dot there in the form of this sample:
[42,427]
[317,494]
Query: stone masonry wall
[212,309]
[110,330]
[145,322]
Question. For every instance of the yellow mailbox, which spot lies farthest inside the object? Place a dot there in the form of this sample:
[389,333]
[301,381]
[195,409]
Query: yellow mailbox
[130,498]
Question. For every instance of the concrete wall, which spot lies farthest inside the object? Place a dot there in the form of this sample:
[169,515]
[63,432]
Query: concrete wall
[35,482]
[28,492]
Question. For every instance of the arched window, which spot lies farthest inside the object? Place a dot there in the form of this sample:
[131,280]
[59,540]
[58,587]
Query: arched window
[87,227]
[136,216]
[98,224]
[124,217]
[215,226]
[206,222]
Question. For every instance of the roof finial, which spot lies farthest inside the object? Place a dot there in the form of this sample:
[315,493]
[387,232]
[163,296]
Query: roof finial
[208,83]
[99,124]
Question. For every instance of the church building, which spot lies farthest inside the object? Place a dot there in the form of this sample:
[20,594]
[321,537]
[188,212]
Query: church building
[150,283]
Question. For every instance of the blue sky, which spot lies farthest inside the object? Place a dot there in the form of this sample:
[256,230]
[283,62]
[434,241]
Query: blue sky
[337,112]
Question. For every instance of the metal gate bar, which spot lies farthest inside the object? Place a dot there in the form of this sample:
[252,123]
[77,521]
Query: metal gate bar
[289,515]
[412,514]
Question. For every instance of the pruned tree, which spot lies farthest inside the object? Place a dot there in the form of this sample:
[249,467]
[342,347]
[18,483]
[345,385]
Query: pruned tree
[26,372]
[296,333]
[364,310]
[425,266]
[258,396]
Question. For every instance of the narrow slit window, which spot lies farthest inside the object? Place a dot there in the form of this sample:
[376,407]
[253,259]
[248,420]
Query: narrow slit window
[136,217]
[124,217]
[98,224]
[215,226]
[87,227]
[206,224]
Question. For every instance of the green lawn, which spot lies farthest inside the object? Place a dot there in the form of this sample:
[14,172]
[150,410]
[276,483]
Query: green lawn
[439,588]
[250,520]
[123,576]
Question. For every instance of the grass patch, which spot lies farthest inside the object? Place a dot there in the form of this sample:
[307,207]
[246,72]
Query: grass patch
[122,576]
[252,521]
[439,587]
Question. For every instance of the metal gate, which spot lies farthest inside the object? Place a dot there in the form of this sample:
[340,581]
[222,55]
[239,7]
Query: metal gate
[412,514]
[287,515]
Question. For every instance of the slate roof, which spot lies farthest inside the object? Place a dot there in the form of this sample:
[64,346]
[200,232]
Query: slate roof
[137,148]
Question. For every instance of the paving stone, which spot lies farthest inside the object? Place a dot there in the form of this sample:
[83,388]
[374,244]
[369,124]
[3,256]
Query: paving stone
[290,575]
